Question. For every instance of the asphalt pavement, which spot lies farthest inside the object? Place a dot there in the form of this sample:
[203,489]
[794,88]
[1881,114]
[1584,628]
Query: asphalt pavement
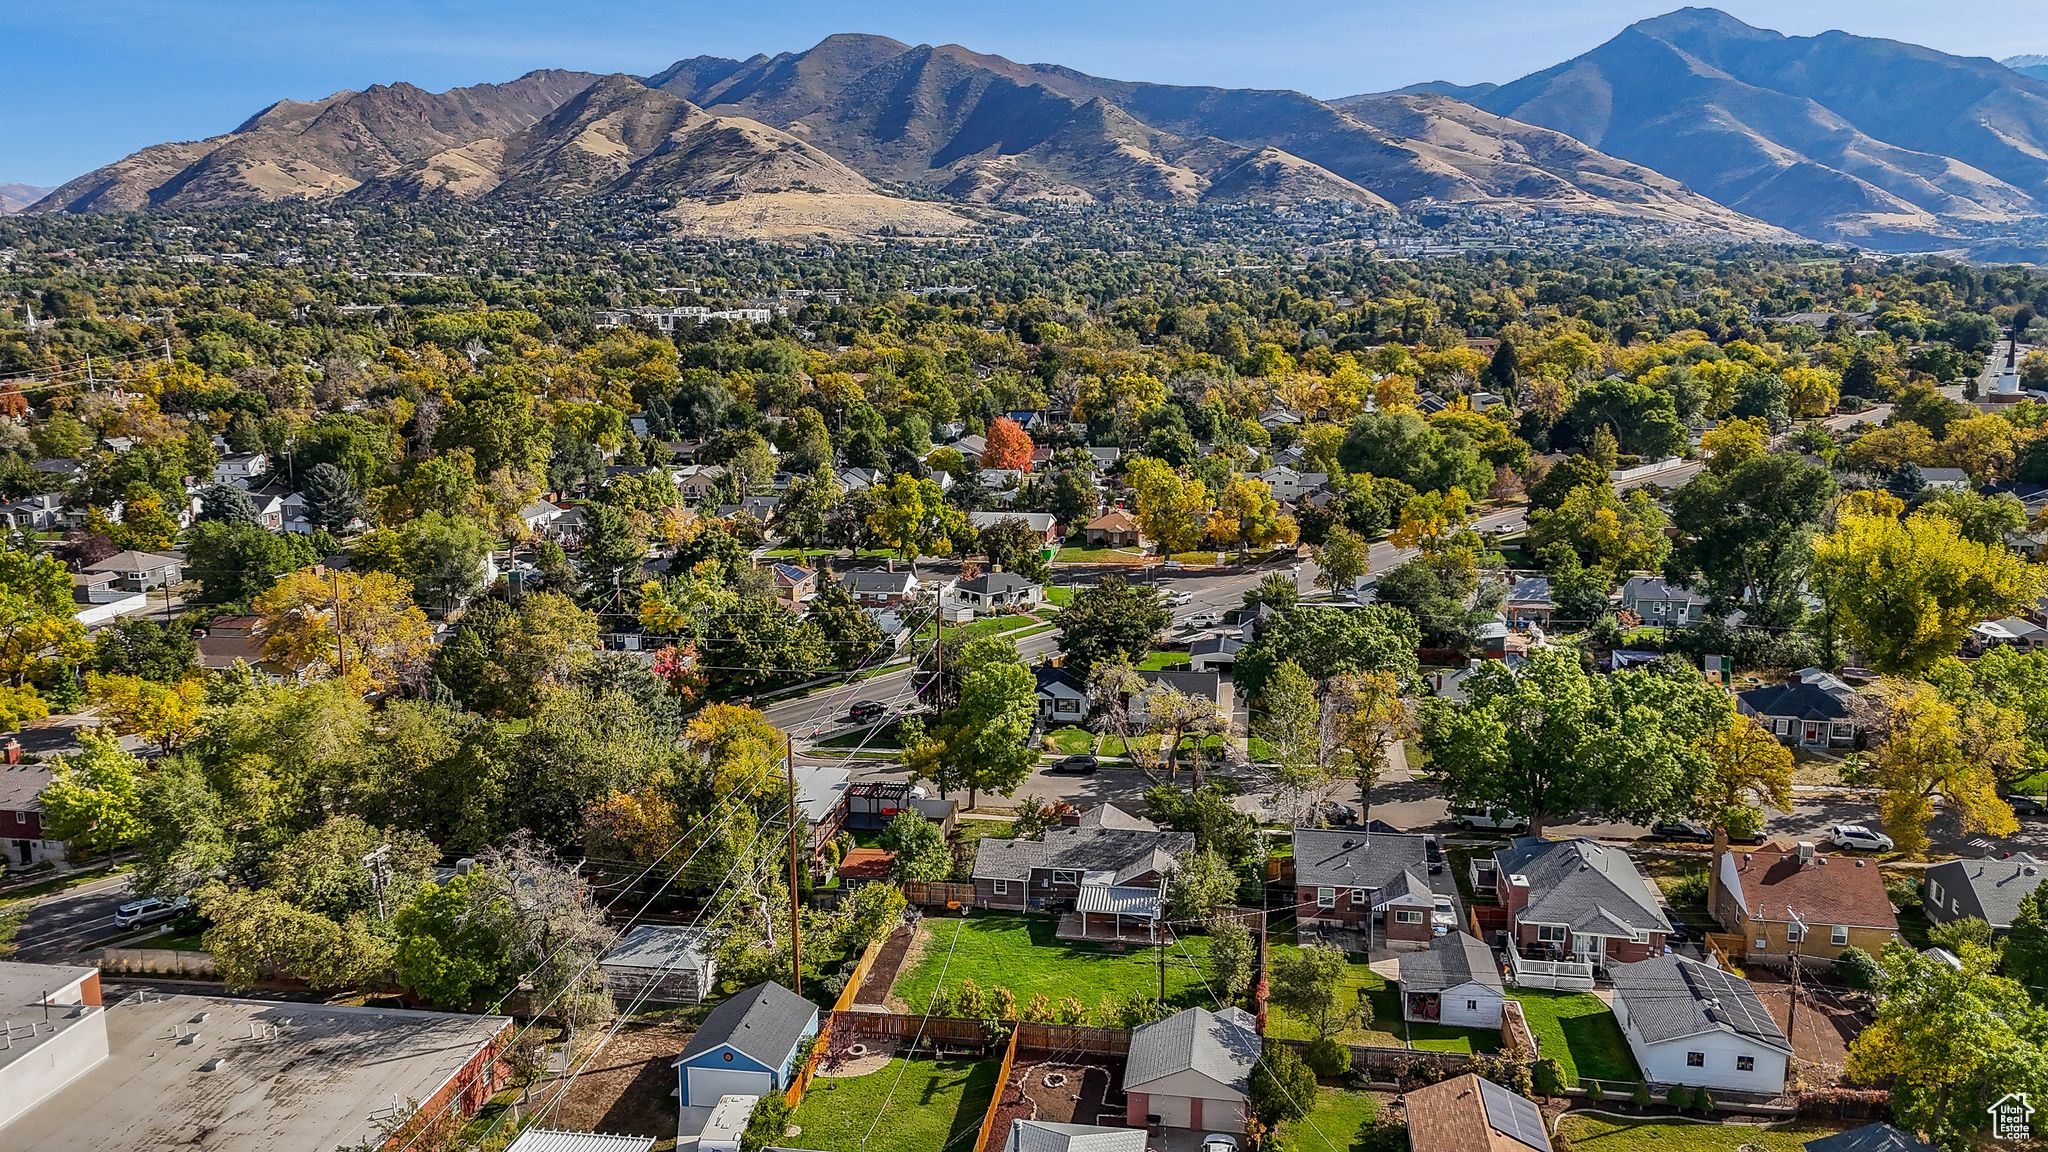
[79,920]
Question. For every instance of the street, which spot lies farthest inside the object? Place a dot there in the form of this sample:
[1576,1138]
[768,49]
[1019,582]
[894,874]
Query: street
[75,921]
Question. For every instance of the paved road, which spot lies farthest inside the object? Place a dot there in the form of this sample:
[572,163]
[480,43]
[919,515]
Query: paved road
[76,921]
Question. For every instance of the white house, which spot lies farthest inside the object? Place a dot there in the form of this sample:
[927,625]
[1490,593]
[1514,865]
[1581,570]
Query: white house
[240,468]
[994,591]
[1693,1024]
[1457,982]
[1192,1070]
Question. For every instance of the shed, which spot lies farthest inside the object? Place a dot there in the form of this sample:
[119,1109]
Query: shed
[660,963]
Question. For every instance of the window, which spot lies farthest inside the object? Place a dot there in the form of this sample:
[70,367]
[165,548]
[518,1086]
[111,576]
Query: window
[1471,1005]
[1838,935]
[1064,705]
[1326,897]
[1934,892]
[1794,933]
[1784,726]
[1358,896]
[1745,1063]
[1002,887]
[1695,1059]
[1407,916]
[1065,876]
[1550,933]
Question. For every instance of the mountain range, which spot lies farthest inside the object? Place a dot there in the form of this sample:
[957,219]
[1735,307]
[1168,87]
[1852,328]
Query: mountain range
[15,197]
[1693,119]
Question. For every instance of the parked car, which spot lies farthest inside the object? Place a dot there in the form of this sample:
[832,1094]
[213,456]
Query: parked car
[1339,814]
[1682,830]
[1680,930]
[1487,819]
[1859,838]
[1219,1142]
[1443,916]
[149,910]
[1178,598]
[1204,620]
[1079,764]
[866,710]
[2028,807]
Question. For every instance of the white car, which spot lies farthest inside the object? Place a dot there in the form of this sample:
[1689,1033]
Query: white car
[1178,598]
[1443,916]
[1204,620]
[149,910]
[1858,837]
[1219,1142]
[1487,819]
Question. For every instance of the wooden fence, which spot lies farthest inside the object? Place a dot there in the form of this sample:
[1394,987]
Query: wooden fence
[995,1104]
[937,1031]
[939,893]
[1059,1040]
[1725,948]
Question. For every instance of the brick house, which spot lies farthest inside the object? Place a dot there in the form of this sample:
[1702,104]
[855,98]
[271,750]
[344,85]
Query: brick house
[1574,900]
[1115,528]
[1784,900]
[1361,882]
[1051,873]
[21,816]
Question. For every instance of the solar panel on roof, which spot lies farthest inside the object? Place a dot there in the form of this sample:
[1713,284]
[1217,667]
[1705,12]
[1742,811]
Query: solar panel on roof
[1513,1116]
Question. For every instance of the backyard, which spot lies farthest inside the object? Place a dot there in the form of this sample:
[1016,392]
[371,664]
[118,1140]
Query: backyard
[906,1106]
[1387,1027]
[1019,953]
[1612,1134]
[1577,1029]
[1334,1123]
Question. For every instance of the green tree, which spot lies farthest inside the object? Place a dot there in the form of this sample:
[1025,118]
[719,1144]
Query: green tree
[1201,884]
[851,636]
[94,800]
[920,848]
[1233,957]
[988,733]
[332,501]
[1283,1087]
[1291,723]
[1326,642]
[2026,943]
[1308,982]
[235,563]
[453,943]
[1745,533]
[150,649]
[1111,620]
[1343,558]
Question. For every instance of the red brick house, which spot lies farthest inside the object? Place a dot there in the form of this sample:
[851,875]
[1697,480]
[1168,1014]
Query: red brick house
[1574,900]
[1375,884]
[1050,873]
[21,815]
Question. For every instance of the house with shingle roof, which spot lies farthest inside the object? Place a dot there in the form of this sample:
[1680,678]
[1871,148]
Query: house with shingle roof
[1987,890]
[1045,1136]
[1661,604]
[1785,899]
[1691,1023]
[1574,900]
[1813,708]
[1473,1114]
[1054,871]
[997,591]
[1116,528]
[747,1046]
[1192,1070]
[1378,884]
[1456,982]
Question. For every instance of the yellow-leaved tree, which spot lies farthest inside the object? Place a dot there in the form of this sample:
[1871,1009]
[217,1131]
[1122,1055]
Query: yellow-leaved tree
[1931,747]
[166,715]
[360,627]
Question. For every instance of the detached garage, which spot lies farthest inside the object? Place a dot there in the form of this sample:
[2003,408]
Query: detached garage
[747,1046]
[1192,1070]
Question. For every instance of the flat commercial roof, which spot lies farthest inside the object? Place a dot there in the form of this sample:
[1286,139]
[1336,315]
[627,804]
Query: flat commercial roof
[254,1076]
[28,1023]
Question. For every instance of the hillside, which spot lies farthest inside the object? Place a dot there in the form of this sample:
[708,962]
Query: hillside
[15,197]
[1792,130]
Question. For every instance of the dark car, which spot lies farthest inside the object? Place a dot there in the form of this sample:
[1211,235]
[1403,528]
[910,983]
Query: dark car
[2029,807]
[865,710]
[1079,764]
[1681,830]
[1680,931]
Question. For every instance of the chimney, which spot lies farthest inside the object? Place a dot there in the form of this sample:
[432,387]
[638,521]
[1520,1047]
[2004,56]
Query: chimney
[1805,853]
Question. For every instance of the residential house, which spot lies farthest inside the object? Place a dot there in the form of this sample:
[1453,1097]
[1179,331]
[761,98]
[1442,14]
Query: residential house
[140,571]
[971,447]
[279,509]
[660,964]
[1044,1136]
[871,588]
[21,816]
[747,1046]
[1105,458]
[40,513]
[1214,653]
[696,482]
[540,516]
[1456,982]
[1987,890]
[1946,479]
[1062,699]
[58,468]
[1105,816]
[1290,485]
[1041,523]
[1785,900]
[2011,632]
[1811,709]
[1210,686]
[1575,900]
[1054,871]
[1691,1023]
[1115,528]
[1473,1114]
[794,584]
[993,592]
[230,640]
[242,469]
[1659,603]
[760,509]
[1192,1070]
[1878,1137]
[1360,882]
[1529,604]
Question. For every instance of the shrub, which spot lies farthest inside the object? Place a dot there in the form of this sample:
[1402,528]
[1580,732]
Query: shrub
[1642,1095]
[1283,1088]
[1595,1092]
[1679,1097]
[1859,969]
[1690,888]
[1703,1100]
[1329,1059]
[1547,1077]
[767,1124]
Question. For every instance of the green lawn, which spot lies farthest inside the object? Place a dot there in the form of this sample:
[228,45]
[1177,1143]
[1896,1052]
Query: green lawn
[1082,554]
[1060,595]
[928,1105]
[1162,661]
[1602,1134]
[996,950]
[1579,1031]
[1385,1031]
[1070,741]
[988,626]
[1333,1124]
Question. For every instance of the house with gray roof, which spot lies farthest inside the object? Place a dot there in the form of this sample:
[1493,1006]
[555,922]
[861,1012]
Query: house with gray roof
[660,964]
[747,1046]
[997,591]
[1210,686]
[1661,604]
[1813,708]
[1456,982]
[1055,871]
[1575,900]
[1192,1070]
[1987,890]
[1691,1023]
[1044,1136]
[1378,884]
[1529,604]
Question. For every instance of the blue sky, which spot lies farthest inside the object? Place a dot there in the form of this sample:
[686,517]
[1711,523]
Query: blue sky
[88,81]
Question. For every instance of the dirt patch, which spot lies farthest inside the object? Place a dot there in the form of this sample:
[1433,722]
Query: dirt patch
[874,989]
[628,1087]
[913,951]
[1061,1093]
[1820,1031]
[859,1058]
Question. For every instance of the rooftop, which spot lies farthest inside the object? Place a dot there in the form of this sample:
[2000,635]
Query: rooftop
[1827,890]
[543,1140]
[1671,997]
[1473,1114]
[1224,1046]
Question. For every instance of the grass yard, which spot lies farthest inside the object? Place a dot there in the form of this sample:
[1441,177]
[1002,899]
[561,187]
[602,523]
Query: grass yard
[1162,661]
[1333,1124]
[1385,1031]
[1060,595]
[988,626]
[1070,741]
[1113,745]
[915,1108]
[996,950]
[1606,1134]
[1578,1030]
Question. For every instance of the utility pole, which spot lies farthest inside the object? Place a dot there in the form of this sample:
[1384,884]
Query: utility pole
[1792,951]
[796,940]
[340,643]
[378,863]
[939,656]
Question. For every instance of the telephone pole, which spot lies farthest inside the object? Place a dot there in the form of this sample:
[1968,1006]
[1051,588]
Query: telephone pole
[340,643]
[796,940]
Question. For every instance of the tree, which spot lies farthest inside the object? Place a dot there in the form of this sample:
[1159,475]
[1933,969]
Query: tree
[1290,722]
[2025,955]
[1746,768]
[807,510]
[331,497]
[255,935]
[1326,642]
[94,800]
[380,641]
[1013,545]
[851,636]
[614,547]
[1233,956]
[139,646]
[919,847]
[1247,516]
[1308,982]
[1201,884]
[913,518]
[1342,560]
[453,942]
[1951,1041]
[1735,442]
[39,635]
[1208,812]
[1621,533]
[988,733]
[166,715]
[1111,620]
[226,504]
[236,562]
[1364,717]
[502,660]
[1009,446]
[1811,393]
[1283,1087]
[1930,750]
[1171,510]
[1745,532]
[1906,592]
